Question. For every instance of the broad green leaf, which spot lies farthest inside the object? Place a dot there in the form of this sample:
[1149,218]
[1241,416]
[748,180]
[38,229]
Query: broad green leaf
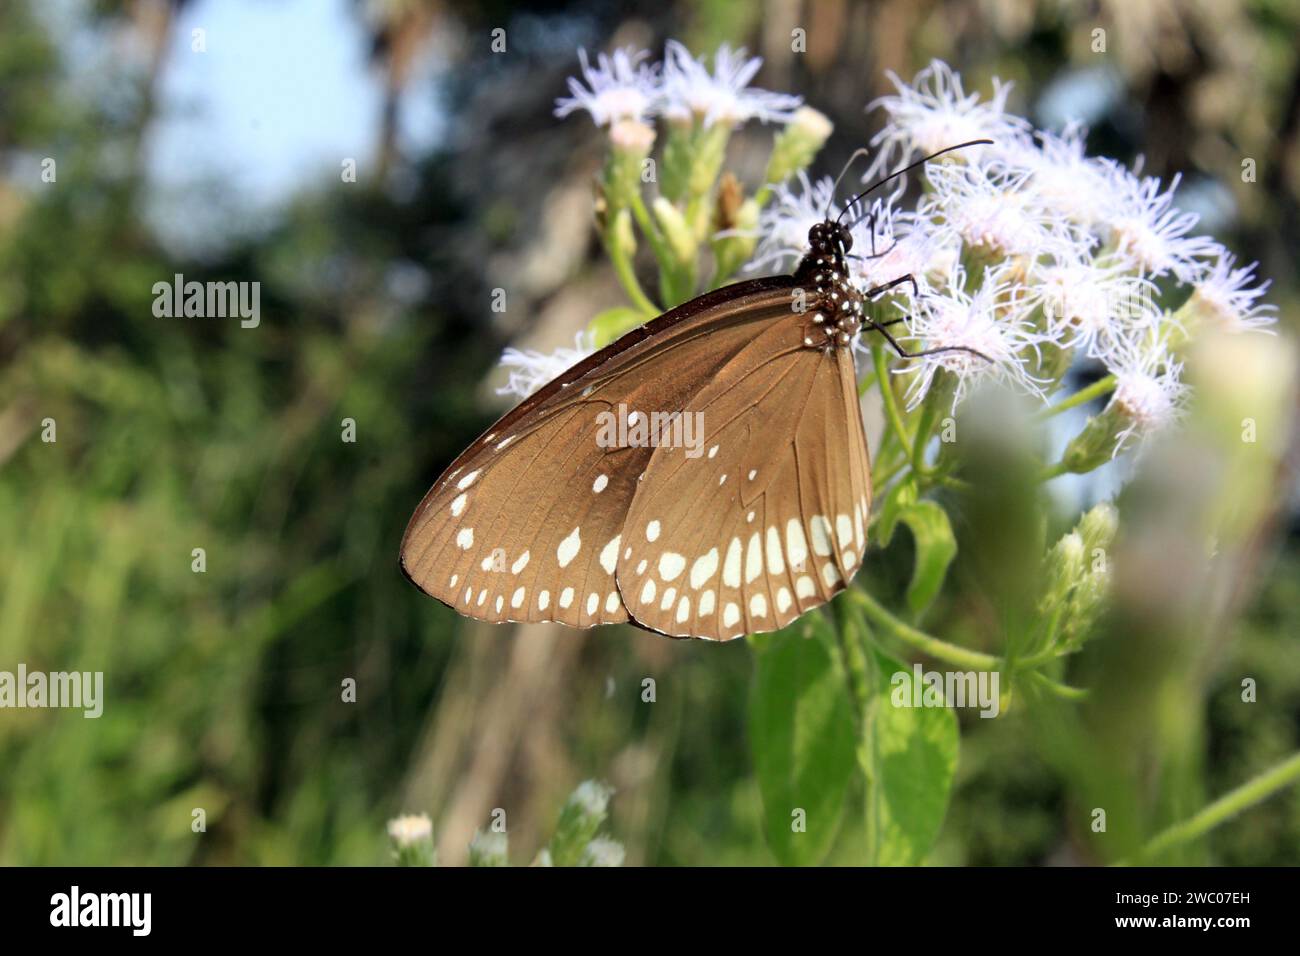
[612,324]
[802,739]
[910,754]
[935,549]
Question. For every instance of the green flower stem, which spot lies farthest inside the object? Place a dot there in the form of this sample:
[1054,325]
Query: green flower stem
[663,254]
[1054,471]
[975,660]
[1226,807]
[922,439]
[891,625]
[892,412]
[627,276]
[1103,386]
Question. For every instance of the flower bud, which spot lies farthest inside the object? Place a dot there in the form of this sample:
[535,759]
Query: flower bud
[412,837]
[681,240]
[581,818]
[798,144]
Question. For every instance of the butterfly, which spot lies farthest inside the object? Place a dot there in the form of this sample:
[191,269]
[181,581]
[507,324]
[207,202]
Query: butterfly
[760,518]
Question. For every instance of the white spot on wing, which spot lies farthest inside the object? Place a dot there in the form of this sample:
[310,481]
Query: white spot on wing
[593,602]
[458,505]
[669,597]
[731,567]
[468,480]
[775,562]
[648,591]
[543,600]
[599,484]
[609,555]
[796,547]
[465,538]
[704,568]
[671,564]
[566,597]
[783,600]
[521,562]
[758,605]
[611,602]
[569,548]
[821,535]
[731,614]
[844,528]
[753,558]
[517,599]
[831,574]
[805,587]
[683,609]
[706,603]
[652,531]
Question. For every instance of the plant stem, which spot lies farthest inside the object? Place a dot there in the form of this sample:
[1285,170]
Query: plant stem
[892,412]
[627,277]
[975,660]
[1054,471]
[919,639]
[1102,386]
[1226,807]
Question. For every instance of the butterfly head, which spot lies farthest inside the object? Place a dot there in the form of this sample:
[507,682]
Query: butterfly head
[836,309]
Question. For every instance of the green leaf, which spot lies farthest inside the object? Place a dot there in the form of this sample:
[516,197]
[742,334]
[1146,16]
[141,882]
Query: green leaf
[614,323]
[910,755]
[802,738]
[935,549]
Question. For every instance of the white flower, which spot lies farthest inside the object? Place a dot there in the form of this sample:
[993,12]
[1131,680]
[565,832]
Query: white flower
[591,797]
[1062,175]
[690,92]
[602,852]
[784,222]
[905,244]
[1148,392]
[988,207]
[530,370]
[935,113]
[619,87]
[1222,294]
[1148,231]
[992,321]
[411,829]
[1092,306]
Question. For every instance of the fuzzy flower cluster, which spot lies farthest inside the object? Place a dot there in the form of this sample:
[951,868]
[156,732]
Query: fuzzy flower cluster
[624,87]
[1030,252]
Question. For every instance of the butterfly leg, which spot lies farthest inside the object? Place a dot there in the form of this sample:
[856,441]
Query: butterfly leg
[916,290]
[903,353]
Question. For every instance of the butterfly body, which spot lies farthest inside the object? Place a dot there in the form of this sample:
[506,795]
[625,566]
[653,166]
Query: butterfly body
[758,519]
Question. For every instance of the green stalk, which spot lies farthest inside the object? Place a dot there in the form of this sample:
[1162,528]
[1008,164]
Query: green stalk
[933,646]
[1226,807]
[1103,386]
[627,277]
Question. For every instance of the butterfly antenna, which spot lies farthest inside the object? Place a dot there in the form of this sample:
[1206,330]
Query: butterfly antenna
[860,151]
[907,169]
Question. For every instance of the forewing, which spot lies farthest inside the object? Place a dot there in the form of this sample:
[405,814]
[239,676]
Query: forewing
[768,521]
[526,525]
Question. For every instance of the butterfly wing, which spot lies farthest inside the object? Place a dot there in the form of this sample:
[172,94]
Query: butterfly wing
[526,524]
[769,520]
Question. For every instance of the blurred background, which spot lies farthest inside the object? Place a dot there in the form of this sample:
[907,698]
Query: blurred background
[222,154]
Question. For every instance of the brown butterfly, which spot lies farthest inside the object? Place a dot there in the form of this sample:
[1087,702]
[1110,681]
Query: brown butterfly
[762,517]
